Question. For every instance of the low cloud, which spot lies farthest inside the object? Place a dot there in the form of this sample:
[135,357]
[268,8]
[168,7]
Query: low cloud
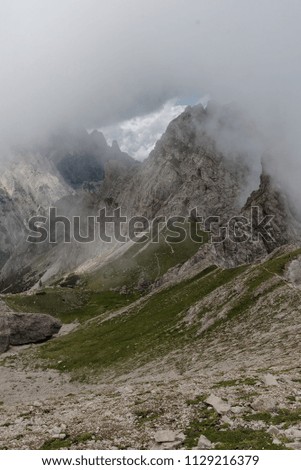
[138,135]
[97,63]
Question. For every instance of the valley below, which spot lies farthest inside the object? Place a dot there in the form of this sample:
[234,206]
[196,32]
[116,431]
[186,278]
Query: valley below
[212,361]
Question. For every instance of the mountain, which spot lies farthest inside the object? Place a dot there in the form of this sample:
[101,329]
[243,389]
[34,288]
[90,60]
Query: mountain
[78,173]
[65,174]
[187,344]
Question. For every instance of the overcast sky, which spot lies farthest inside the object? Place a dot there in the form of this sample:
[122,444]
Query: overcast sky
[98,62]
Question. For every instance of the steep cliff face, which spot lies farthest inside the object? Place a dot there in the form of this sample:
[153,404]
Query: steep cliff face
[187,170]
[272,223]
[28,186]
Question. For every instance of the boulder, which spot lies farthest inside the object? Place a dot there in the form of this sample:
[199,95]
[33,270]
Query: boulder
[264,403]
[218,404]
[31,327]
[4,334]
[25,328]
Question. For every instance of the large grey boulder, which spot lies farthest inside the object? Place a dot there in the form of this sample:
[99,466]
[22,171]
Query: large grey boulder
[31,327]
[24,328]
[4,334]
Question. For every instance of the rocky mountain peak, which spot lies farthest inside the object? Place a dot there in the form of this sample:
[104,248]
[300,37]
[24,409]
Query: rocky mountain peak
[191,167]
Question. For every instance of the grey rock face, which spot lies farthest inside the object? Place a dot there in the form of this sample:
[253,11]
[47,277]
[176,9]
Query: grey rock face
[284,226]
[4,334]
[24,328]
[186,170]
[31,328]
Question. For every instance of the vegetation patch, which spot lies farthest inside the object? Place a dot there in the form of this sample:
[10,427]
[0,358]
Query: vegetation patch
[208,424]
[236,382]
[148,331]
[144,262]
[55,444]
[70,304]
[284,417]
[82,438]
[197,400]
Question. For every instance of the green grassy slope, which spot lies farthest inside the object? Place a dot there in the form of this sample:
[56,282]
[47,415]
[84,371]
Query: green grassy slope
[143,261]
[155,326]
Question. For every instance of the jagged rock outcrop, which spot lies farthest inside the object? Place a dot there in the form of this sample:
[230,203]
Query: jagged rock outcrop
[186,170]
[271,208]
[284,225]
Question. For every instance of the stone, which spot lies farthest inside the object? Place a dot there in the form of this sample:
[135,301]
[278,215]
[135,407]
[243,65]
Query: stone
[293,433]
[274,431]
[227,420]
[276,441]
[165,436]
[204,443]
[294,445]
[180,437]
[28,328]
[60,436]
[269,380]
[264,404]
[237,410]
[55,431]
[218,404]
[169,445]
[4,334]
